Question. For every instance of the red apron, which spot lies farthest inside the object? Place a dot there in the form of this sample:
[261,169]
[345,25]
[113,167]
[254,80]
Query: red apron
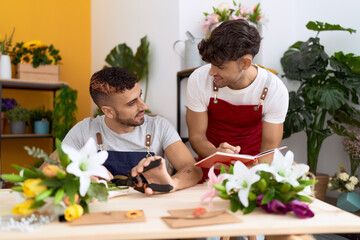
[238,125]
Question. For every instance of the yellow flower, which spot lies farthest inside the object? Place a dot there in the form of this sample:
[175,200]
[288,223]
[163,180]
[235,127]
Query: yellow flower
[52,59]
[33,44]
[27,58]
[31,187]
[23,208]
[73,212]
[52,170]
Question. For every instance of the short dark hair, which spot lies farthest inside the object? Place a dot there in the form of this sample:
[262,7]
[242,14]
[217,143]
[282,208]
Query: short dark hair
[229,42]
[109,81]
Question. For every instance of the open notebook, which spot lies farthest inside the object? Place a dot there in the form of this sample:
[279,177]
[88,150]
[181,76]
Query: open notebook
[228,158]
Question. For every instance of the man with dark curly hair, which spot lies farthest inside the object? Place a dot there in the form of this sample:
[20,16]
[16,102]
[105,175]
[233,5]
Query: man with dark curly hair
[130,136]
[233,105]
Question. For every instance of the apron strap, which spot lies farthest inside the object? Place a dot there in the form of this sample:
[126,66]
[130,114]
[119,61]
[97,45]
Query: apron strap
[215,91]
[265,90]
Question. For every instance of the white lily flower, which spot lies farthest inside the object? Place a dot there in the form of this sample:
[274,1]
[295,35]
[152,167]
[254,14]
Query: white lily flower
[86,162]
[241,181]
[284,170]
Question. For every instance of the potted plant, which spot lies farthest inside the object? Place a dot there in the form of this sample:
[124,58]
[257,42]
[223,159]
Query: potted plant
[329,90]
[18,117]
[224,12]
[346,184]
[64,112]
[5,64]
[36,60]
[6,105]
[40,120]
[122,56]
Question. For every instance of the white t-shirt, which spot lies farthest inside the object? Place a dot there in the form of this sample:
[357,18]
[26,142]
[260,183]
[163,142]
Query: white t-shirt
[275,106]
[163,134]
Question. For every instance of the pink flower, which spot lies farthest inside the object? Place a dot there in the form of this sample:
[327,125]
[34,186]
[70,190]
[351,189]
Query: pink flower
[213,179]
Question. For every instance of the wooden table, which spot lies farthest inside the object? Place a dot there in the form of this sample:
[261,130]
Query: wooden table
[328,219]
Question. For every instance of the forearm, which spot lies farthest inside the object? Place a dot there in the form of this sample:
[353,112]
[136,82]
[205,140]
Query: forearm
[186,177]
[202,146]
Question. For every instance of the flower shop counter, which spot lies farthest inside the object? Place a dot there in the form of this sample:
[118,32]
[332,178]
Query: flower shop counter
[327,219]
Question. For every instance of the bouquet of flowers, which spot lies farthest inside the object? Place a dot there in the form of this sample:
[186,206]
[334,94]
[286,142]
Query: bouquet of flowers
[278,187]
[64,184]
[36,53]
[352,147]
[8,104]
[342,182]
[224,12]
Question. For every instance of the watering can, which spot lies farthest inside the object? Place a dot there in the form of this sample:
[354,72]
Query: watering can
[190,53]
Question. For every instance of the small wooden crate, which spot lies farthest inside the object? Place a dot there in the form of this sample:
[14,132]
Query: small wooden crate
[43,72]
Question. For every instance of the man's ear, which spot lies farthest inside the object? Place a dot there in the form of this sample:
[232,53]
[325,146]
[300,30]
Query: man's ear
[108,111]
[245,62]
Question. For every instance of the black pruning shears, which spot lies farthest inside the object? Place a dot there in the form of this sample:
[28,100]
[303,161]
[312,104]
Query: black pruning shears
[139,185]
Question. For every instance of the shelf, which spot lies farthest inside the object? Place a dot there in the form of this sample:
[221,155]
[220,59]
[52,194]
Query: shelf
[31,84]
[30,135]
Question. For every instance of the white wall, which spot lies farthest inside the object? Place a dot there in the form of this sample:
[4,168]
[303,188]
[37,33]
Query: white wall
[165,21]
[119,21]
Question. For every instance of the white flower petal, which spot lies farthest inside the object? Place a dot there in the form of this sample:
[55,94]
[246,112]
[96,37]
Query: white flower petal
[244,197]
[84,185]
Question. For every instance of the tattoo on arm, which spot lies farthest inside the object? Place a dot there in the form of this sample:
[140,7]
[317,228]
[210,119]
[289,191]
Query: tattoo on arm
[188,171]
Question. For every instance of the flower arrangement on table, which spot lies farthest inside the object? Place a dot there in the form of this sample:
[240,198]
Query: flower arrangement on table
[65,184]
[225,12]
[343,182]
[278,187]
[35,53]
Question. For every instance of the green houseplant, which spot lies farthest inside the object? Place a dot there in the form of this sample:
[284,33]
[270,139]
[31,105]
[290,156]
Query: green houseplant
[329,90]
[64,112]
[18,117]
[122,56]
[40,119]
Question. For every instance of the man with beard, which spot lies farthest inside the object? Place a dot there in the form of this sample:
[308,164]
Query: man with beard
[233,105]
[132,138]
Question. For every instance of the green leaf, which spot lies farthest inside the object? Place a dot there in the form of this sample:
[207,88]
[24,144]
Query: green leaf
[220,187]
[234,204]
[261,185]
[303,198]
[269,196]
[37,204]
[59,195]
[320,26]
[52,182]
[140,67]
[121,56]
[64,158]
[98,191]
[17,188]
[224,195]
[285,187]
[12,178]
[250,208]
[222,169]
[328,97]
[71,188]
[43,195]
[252,196]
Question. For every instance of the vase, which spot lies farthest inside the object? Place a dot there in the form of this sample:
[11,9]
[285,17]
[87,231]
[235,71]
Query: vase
[3,122]
[17,127]
[321,186]
[5,66]
[349,201]
[41,127]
